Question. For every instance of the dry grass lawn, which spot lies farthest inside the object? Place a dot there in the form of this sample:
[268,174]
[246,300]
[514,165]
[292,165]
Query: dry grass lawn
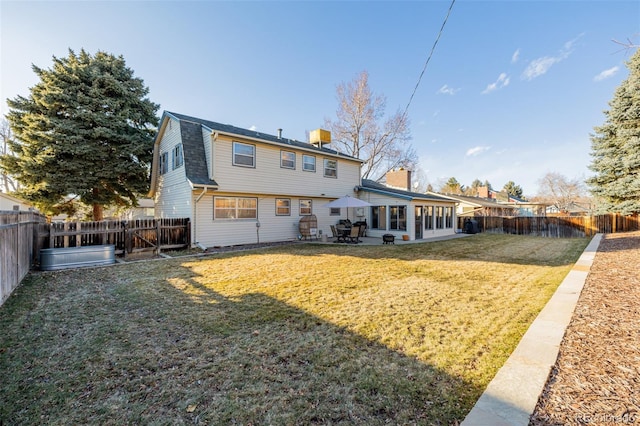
[300,334]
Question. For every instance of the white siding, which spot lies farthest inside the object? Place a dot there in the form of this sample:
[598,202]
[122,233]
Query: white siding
[173,194]
[269,178]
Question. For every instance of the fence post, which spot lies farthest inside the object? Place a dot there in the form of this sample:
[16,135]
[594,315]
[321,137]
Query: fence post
[127,239]
[158,234]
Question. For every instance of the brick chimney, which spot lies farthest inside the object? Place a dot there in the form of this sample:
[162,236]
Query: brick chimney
[399,179]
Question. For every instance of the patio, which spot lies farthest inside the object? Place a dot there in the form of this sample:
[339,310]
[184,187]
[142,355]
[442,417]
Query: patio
[374,241]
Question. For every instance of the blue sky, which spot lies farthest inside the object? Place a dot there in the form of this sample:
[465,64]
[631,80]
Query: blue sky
[513,90]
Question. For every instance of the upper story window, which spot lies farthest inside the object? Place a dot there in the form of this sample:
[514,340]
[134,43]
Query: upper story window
[244,154]
[330,168]
[177,156]
[287,159]
[164,160]
[309,163]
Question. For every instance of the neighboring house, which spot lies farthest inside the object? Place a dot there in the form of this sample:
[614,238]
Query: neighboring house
[240,186]
[398,211]
[9,202]
[481,206]
[144,210]
[573,209]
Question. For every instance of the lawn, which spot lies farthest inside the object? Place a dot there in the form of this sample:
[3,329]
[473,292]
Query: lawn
[299,334]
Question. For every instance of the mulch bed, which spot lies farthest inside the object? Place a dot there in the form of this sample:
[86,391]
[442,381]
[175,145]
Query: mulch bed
[596,378]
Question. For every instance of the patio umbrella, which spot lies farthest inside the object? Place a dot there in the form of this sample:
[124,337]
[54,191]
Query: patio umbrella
[347,201]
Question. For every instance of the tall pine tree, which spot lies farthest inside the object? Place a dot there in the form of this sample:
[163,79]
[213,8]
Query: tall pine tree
[616,148]
[85,133]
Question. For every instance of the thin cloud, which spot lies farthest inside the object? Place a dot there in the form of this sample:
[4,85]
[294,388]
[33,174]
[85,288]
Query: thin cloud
[515,56]
[477,150]
[541,66]
[446,90]
[502,81]
[606,74]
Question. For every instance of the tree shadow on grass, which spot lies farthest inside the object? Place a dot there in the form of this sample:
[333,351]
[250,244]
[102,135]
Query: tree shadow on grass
[262,361]
[174,351]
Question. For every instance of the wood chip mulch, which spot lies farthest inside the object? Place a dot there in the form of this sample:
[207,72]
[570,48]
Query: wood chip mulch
[596,378]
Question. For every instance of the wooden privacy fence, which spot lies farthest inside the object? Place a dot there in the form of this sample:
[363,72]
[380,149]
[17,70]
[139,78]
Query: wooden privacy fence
[19,247]
[127,236]
[556,226]
[24,234]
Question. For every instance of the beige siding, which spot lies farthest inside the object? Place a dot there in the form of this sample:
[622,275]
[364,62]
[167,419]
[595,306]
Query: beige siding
[218,232]
[383,200]
[173,195]
[269,178]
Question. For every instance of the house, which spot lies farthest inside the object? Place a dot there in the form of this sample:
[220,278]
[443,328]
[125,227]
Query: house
[241,186]
[398,211]
[144,210]
[9,202]
[493,204]
[573,208]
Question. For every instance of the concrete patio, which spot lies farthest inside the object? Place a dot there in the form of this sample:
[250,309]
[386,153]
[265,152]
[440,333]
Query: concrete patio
[374,241]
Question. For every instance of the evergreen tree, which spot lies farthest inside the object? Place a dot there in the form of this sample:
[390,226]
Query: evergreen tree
[85,133]
[452,186]
[512,189]
[472,190]
[615,148]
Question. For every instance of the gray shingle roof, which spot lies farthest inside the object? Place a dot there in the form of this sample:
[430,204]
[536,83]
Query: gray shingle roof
[195,163]
[226,128]
[374,186]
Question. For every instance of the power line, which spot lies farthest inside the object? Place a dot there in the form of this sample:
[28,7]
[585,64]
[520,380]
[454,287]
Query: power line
[433,48]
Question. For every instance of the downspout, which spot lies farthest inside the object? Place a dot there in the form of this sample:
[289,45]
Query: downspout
[195,218]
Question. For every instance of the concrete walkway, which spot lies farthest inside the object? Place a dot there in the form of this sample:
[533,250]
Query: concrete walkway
[512,395]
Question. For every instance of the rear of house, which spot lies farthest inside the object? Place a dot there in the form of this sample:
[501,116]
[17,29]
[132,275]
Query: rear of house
[240,186]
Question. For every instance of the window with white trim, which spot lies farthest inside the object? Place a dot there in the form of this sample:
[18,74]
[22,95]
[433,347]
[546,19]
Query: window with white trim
[379,217]
[244,154]
[305,207]
[398,218]
[283,207]
[287,160]
[164,160]
[334,211]
[330,168]
[235,208]
[309,163]
[177,158]
[439,217]
[428,217]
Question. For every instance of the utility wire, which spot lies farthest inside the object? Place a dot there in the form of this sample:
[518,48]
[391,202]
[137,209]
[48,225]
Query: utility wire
[433,48]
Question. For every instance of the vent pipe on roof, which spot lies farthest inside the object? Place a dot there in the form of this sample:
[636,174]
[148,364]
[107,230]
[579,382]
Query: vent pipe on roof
[279,133]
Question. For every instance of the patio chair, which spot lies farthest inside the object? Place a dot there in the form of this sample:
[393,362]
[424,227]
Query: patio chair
[354,235]
[339,238]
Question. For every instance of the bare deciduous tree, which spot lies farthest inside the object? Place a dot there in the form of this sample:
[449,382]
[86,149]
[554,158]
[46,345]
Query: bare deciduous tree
[360,132]
[559,191]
